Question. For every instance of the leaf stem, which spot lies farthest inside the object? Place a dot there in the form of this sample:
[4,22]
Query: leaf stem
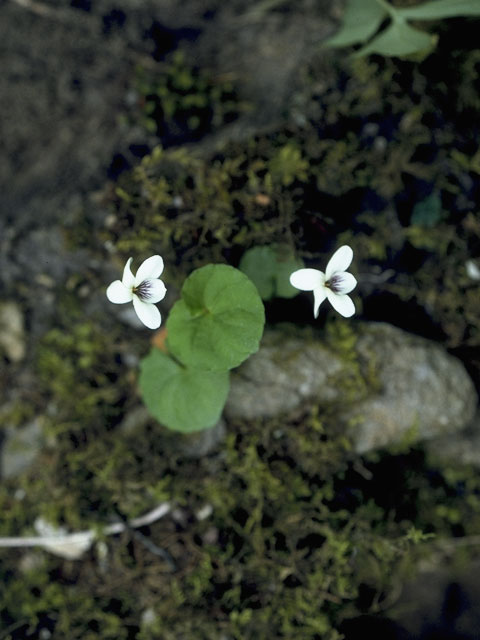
[392,12]
[202,312]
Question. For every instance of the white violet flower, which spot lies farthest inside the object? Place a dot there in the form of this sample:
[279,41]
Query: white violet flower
[144,290]
[334,284]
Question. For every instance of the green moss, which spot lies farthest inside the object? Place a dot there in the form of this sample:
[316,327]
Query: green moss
[273,559]
[16,414]
[201,209]
[178,99]
[287,165]
[73,365]
[283,554]
[78,614]
[357,379]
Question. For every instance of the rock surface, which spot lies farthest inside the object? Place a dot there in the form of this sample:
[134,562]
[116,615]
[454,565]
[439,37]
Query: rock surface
[463,447]
[423,388]
[201,443]
[20,447]
[12,331]
[414,387]
[283,374]
[440,601]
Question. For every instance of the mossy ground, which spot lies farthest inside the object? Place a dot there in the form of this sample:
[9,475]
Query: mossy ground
[299,537]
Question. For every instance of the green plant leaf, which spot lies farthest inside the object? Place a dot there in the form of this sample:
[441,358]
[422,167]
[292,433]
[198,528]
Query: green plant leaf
[441,9]
[398,39]
[361,20]
[269,268]
[218,322]
[182,399]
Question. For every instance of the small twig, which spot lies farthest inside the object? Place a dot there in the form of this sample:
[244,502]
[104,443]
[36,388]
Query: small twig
[86,537]
[151,546]
[40,541]
[362,471]
[151,516]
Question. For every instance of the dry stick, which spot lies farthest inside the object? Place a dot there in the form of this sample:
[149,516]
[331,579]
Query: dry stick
[89,535]
[153,548]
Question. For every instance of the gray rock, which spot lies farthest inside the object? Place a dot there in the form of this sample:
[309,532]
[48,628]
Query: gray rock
[135,419]
[20,447]
[285,372]
[463,447]
[441,601]
[12,333]
[406,385]
[201,443]
[422,389]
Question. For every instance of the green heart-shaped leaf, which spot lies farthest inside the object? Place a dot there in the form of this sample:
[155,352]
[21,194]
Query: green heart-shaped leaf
[218,322]
[398,39]
[182,399]
[360,21]
[269,268]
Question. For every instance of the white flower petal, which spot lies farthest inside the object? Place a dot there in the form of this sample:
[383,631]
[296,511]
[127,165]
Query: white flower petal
[319,296]
[148,313]
[340,261]
[341,303]
[344,282]
[150,268]
[473,271]
[155,291]
[118,293]
[307,279]
[128,279]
